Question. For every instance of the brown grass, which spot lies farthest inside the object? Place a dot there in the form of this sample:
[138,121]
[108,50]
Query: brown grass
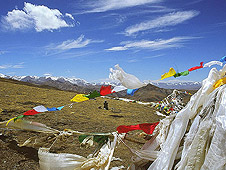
[16,98]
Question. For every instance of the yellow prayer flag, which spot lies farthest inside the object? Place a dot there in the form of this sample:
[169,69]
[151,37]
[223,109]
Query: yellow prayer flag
[9,121]
[171,73]
[79,98]
[219,83]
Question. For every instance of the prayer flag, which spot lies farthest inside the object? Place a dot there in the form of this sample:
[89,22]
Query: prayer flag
[146,127]
[104,90]
[171,73]
[31,112]
[93,95]
[219,82]
[184,73]
[131,91]
[196,67]
[79,98]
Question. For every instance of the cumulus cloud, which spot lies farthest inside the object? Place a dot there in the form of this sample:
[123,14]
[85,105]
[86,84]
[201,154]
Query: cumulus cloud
[106,5]
[158,44]
[78,43]
[170,19]
[39,17]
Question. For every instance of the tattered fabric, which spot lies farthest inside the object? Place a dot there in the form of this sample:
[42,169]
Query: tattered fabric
[127,80]
[184,73]
[119,88]
[31,112]
[104,90]
[93,95]
[40,108]
[219,82]
[196,67]
[171,73]
[146,127]
[209,64]
[131,91]
[79,98]
[223,59]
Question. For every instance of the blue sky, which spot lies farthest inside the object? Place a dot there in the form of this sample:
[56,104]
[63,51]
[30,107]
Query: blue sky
[83,39]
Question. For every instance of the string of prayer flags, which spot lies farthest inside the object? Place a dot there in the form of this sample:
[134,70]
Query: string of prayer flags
[219,82]
[171,73]
[79,98]
[93,95]
[196,67]
[209,64]
[184,73]
[127,80]
[131,91]
[187,92]
[34,111]
[146,127]
[104,90]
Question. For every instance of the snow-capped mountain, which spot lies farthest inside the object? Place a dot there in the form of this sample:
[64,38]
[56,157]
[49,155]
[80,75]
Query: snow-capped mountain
[38,80]
[175,84]
[62,81]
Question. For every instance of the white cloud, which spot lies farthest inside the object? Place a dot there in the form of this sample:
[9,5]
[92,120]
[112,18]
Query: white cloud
[38,16]
[4,66]
[117,49]
[47,74]
[78,43]
[7,66]
[132,61]
[17,19]
[158,44]
[69,15]
[170,19]
[106,5]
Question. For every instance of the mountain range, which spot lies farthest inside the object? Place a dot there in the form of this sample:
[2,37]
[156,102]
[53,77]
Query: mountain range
[77,84]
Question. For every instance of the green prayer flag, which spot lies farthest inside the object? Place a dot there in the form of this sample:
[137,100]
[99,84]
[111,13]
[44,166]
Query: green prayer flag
[93,95]
[184,73]
[19,117]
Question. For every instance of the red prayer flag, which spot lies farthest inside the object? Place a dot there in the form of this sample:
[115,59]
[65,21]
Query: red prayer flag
[31,112]
[146,127]
[196,67]
[104,90]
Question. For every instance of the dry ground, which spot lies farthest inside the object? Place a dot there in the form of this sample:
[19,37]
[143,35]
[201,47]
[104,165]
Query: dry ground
[17,97]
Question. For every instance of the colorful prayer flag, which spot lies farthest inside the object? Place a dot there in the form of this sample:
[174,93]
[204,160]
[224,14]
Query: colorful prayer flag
[171,73]
[146,127]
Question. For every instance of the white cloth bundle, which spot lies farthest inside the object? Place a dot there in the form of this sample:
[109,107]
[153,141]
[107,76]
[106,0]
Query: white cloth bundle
[127,80]
[178,127]
[52,161]
[209,64]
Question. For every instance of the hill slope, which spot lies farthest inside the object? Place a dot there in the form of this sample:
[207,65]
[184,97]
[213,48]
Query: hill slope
[17,97]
